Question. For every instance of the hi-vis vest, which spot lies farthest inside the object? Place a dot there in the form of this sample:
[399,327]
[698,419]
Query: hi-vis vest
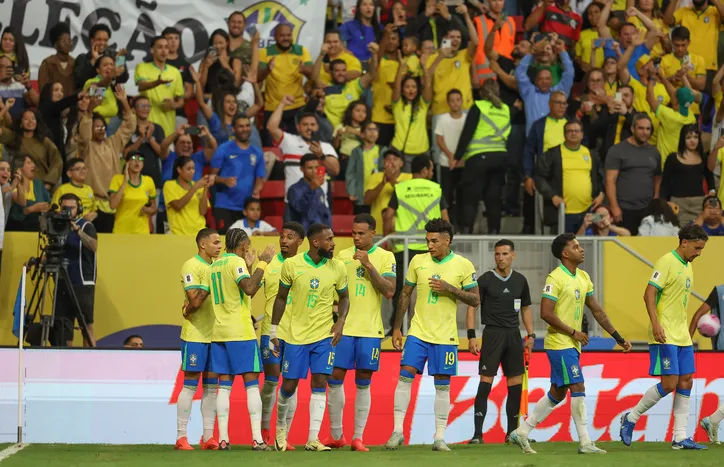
[504,44]
[418,200]
[492,132]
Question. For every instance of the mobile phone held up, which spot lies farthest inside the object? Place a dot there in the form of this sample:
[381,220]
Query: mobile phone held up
[97,92]
[120,61]
[193,131]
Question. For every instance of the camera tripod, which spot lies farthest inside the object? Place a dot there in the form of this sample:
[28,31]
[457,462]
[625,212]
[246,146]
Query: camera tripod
[54,267]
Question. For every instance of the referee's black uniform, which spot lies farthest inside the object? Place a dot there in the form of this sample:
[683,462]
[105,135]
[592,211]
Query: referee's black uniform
[501,300]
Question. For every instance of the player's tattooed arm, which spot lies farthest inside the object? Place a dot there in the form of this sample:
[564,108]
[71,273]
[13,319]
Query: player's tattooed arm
[600,315]
[384,285]
[251,285]
[469,297]
[342,310]
[196,298]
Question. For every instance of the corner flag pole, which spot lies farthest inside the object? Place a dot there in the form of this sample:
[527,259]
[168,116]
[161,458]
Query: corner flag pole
[21,367]
[524,393]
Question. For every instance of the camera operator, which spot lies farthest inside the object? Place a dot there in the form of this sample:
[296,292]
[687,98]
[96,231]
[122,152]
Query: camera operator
[80,251]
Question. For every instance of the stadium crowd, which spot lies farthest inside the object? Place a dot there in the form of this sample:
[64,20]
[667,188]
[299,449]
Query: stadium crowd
[612,108]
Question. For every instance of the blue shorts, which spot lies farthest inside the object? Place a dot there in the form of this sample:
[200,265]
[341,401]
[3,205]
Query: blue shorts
[194,356]
[360,353]
[442,359]
[299,359]
[668,359]
[235,357]
[565,367]
[267,356]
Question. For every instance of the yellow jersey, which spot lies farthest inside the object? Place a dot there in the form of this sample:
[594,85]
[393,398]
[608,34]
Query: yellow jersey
[336,103]
[84,192]
[641,104]
[148,71]
[720,160]
[435,315]
[577,187]
[451,73]
[129,218]
[272,273]
[349,59]
[382,90]
[410,130]
[285,78]
[569,291]
[673,278]
[365,302]
[109,105]
[200,325]
[704,30]
[670,64]
[232,307]
[188,221]
[312,288]
[554,135]
[657,50]
[383,199]
[584,46]
[671,122]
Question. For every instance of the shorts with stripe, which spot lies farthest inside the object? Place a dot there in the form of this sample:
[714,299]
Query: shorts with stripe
[565,367]
[235,357]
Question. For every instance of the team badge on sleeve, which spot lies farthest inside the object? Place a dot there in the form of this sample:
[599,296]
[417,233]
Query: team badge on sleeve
[240,270]
[189,278]
[656,276]
[394,268]
[548,288]
[474,278]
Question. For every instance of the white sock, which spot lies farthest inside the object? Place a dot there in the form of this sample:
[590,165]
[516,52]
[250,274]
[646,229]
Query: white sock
[542,409]
[402,399]
[362,404]
[183,407]
[254,406]
[580,418]
[651,397]
[681,413]
[268,398]
[442,407]
[717,416]
[336,408]
[283,408]
[317,404]
[291,409]
[208,406]
[222,409]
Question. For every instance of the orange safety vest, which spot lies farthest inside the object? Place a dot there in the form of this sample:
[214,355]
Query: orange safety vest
[504,44]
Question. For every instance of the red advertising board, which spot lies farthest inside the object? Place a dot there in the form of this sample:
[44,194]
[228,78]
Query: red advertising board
[614,384]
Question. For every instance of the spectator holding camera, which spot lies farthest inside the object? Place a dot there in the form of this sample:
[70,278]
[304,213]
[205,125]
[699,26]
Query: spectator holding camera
[711,216]
[133,196]
[101,86]
[599,223]
[30,199]
[80,248]
[86,65]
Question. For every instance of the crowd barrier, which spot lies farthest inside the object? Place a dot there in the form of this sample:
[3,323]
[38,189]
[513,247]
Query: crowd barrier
[128,397]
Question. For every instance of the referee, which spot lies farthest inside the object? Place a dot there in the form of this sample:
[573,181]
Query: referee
[504,294]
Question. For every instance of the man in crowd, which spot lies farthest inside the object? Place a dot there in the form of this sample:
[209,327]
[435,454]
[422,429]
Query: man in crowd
[703,19]
[333,51]
[496,27]
[711,217]
[306,200]
[381,185]
[175,59]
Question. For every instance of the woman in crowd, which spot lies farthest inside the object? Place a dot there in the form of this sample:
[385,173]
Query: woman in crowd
[59,114]
[599,223]
[685,174]
[409,107]
[12,46]
[28,138]
[362,30]
[133,196]
[347,134]
[587,54]
[218,61]
[187,201]
[648,12]
[661,222]
[29,200]
[102,86]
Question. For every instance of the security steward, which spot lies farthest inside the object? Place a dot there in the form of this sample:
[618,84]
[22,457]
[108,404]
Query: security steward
[504,297]
[413,203]
[483,147]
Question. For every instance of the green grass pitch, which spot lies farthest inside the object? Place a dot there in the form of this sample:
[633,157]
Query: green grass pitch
[549,455]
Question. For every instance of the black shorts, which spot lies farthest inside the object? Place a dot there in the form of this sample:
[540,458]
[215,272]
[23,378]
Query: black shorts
[65,316]
[501,346]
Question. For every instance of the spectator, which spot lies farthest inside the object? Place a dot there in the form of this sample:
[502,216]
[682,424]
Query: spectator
[496,25]
[30,199]
[147,140]
[252,222]
[710,217]
[307,202]
[239,169]
[382,85]
[482,146]
[294,147]
[220,114]
[647,16]
[21,91]
[187,199]
[283,66]
[342,90]
[349,132]
[703,18]
[335,52]
[685,174]
[681,62]
[715,162]
[133,196]
[633,175]
[411,53]
[661,220]
[60,113]
[447,133]
[672,121]
[360,32]
[7,186]
[589,48]
[100,154]
[556,17]
[133,342]
[590,107]
[102,86]
[433,22]
[238,46]
[76,171]
[217,62]
[536,96]
[409,108]
[395,14]
[13,47]
[569,174]
[80,249]
[163,85]
[598,223]
[381,185]
[363,162]
[86,65]
[173,58]
[610,76]
[28,138]
[58,68]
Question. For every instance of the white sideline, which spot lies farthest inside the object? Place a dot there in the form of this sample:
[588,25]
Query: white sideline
[14,449]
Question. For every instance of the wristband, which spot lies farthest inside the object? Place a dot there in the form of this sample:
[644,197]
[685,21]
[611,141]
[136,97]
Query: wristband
[619,338]
[573,333]
[273,332]
[471,333]
[262,265]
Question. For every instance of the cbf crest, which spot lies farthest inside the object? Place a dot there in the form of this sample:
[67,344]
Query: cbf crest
[575,371]
[578,294]
[192,359]
[435,276]
[667,363]
[688,282]
[314,283]
[361,272]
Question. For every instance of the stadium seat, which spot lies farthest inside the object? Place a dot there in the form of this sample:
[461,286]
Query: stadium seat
[519,29]
[341,204]
[342,224]
[275,221]
[272,198]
